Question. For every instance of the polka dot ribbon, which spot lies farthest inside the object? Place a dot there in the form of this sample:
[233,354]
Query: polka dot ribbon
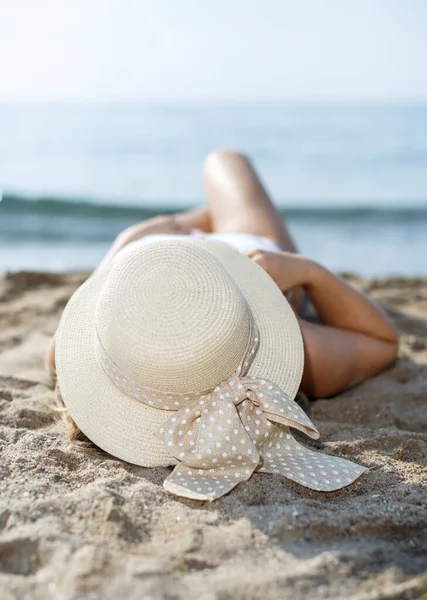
[220,437]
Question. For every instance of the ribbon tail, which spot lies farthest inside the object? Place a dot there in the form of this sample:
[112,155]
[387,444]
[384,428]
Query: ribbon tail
[312,469]
[198,484]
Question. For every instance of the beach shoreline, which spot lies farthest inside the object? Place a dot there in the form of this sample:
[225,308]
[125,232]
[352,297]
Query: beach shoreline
[57,235]
[78,526]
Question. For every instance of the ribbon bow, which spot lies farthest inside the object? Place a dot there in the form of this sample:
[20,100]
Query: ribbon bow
[240,427]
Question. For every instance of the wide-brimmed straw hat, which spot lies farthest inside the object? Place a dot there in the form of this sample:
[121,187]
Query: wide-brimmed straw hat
[186,353]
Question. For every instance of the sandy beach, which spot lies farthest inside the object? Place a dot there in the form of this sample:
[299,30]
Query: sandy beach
[74,526]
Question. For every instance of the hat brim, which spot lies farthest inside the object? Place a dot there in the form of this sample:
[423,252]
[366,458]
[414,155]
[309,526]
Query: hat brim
[123,426]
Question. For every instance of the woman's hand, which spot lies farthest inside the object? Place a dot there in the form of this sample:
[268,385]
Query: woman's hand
[355,341]
[287,269]
[162,224]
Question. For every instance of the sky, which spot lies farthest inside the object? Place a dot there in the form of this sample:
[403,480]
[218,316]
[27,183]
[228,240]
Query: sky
[212,50]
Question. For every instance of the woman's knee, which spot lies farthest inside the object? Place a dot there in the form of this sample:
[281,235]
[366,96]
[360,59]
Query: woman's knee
[223,156]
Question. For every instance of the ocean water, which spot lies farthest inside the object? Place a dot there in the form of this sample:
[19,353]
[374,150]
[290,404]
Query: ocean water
[351,180]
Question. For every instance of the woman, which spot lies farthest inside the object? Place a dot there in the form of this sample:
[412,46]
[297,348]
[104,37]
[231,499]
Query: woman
[353,341]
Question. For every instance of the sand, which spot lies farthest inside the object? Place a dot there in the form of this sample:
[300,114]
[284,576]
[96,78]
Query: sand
[74,526]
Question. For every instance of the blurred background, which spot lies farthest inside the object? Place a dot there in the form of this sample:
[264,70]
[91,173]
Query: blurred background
[108,108]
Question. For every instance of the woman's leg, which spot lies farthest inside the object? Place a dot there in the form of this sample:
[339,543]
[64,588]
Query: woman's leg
[238,202]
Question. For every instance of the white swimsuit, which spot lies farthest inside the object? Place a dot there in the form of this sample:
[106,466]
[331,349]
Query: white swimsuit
[243,242]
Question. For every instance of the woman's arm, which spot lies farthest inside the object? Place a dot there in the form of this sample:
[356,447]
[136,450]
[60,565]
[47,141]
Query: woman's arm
[357,339]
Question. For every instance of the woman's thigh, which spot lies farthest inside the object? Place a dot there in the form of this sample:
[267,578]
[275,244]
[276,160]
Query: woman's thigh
[238,201]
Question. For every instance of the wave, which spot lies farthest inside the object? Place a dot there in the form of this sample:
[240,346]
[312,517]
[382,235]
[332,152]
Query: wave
[13,205]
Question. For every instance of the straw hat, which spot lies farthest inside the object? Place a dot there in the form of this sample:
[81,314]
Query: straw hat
[186,353]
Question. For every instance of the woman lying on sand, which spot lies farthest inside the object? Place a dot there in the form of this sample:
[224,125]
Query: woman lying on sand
[352,339]
[182,351]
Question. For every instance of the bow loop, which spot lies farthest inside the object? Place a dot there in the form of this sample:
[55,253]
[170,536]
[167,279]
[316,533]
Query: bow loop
[278,406]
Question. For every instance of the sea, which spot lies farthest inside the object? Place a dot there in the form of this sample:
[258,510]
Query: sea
[349,179]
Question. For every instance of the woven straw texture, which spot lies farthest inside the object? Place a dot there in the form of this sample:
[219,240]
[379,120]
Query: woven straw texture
[172,317]
[215,288]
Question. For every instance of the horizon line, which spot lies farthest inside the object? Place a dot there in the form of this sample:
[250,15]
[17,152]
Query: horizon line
[307,205]
[218,101]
